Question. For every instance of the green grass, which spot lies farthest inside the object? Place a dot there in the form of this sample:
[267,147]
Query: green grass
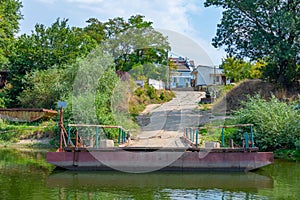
[287,154]
[13,132]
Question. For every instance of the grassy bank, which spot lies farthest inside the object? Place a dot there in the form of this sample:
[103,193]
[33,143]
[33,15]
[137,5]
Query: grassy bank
[144,96]
[12,133]
[287,154]
[44,134]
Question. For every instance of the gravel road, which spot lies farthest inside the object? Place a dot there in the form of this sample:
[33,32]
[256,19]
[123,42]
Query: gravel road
[168,121]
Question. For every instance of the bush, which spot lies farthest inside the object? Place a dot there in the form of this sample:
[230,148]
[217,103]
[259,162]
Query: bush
[276,124]
[151,91]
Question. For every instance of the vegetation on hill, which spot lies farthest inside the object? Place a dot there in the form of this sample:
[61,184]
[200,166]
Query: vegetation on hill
[274,112]
[231,99]
[276,123]
[148,95]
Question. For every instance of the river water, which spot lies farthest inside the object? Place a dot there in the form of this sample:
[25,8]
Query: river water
[24,174]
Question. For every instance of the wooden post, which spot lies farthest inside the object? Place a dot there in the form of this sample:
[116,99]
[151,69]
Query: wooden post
[76,143]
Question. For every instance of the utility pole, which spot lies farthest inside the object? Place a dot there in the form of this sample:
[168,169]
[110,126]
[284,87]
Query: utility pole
[169,73]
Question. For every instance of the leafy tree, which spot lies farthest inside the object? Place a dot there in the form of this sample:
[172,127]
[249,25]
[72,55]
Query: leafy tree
[45,47]
[149,70]
[48,86]
[139,46]
[95,29]
[238,69]
[49,46]
[130,42]
[10,15]
[259,29]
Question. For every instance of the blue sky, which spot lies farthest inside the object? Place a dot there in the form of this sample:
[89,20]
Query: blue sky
[188,20]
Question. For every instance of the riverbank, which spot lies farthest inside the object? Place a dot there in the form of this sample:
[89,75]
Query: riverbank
[287,154]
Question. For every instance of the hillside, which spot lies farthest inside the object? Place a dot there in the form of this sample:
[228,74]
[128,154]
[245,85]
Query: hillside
[232,100]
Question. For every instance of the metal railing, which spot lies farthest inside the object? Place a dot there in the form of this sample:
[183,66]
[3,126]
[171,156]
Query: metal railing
[192,134]
[123,133]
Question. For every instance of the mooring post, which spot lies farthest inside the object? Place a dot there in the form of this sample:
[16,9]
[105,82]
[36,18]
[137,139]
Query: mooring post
[252,136]
[69,135]
[97,136]
[223,137]
[197,138]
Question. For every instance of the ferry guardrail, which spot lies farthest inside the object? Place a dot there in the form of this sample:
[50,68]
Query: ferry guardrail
[123,133]
[192,133]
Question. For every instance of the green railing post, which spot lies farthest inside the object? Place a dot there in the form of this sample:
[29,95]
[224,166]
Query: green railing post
[97,136]
[123,133]
[122,136]
[186,132]
[246,140]
[197,138]
[252,137]
[223,137]
[194,131]
[69,135]
[119,138]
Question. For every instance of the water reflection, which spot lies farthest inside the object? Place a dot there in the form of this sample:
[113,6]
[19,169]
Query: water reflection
[26,175]
[124,181]
[162,185]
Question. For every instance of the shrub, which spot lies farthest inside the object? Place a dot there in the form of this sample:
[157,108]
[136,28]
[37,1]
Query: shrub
[276,124]
[151,91]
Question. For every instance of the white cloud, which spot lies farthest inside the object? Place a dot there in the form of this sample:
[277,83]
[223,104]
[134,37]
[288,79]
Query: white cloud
[169,14]
[47,1]
[173,15]
[85,1]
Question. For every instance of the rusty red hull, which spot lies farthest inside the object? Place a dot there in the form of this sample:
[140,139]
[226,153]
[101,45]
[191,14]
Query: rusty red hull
[163,160]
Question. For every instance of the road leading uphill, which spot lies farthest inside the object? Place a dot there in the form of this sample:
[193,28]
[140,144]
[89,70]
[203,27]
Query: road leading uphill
[168,121]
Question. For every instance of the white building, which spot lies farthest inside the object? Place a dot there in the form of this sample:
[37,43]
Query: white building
[159,85]
[182,76]
[207,75]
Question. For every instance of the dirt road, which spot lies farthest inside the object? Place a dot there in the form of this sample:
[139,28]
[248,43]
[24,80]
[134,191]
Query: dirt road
[168,121]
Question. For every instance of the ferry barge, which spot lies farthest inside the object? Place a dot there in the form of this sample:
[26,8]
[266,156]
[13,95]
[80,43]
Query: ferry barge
[72,155]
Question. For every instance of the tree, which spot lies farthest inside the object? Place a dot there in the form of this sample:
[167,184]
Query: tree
[49,46]
[57,45]
[10,15]
[130,42]
[259,29]
[238,69]
[48,86]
